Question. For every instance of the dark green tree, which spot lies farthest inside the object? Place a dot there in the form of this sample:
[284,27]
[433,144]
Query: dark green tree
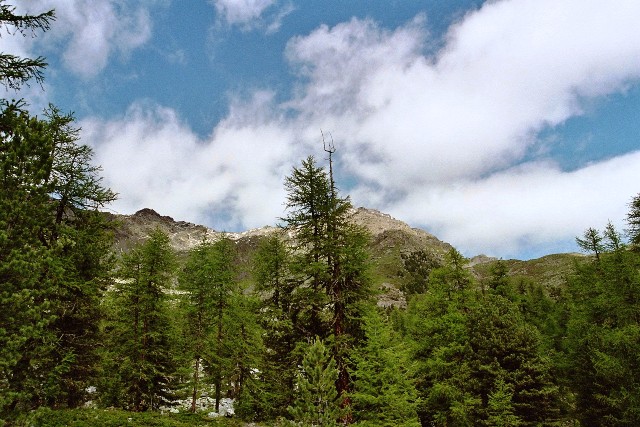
[331,261]
[82,238]
[384,392]
[55,258]
[139,346]
[279,292]
[27,263]
[603,334]
[478,359]
[317,402]
[417,267]
[54,244]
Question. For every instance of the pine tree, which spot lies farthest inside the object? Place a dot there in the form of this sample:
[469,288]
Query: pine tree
[317,402]
[27,262]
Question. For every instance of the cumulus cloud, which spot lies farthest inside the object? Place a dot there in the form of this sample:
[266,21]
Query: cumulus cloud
[528,205]
[94,31]
[448,141]
[251,14]
[231,180]
[417,127]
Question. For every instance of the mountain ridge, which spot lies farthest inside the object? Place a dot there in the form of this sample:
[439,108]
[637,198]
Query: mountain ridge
[390,239]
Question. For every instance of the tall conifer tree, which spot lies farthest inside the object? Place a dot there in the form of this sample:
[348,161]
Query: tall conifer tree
[332,260]
[139,352]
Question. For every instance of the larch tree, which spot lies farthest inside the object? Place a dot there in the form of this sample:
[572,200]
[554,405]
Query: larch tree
[224,287]
[331,259]
[138,355]
[603,335]
[197,304]
[16,71]
[278,290]
[384,391]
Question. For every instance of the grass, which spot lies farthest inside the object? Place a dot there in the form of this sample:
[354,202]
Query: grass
[45,417]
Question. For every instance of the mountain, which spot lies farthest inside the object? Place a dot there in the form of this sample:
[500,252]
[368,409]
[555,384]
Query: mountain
[390,238]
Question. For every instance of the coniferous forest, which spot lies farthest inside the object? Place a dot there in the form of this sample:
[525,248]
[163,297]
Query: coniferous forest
[89,336]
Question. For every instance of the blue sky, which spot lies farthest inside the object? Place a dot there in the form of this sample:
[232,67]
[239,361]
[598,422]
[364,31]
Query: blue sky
[504,127]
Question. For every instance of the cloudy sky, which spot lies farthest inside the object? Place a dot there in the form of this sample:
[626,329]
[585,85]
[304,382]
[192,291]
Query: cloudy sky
[503,127]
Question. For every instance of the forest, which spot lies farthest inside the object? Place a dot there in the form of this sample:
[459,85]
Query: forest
[89,336]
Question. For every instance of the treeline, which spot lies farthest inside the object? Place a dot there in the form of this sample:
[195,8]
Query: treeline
[299,338]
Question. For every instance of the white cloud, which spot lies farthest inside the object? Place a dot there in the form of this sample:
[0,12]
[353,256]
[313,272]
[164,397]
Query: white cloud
[437,140]
[231,180]
[94,31]
[416,126]
[528,205]
[250,14]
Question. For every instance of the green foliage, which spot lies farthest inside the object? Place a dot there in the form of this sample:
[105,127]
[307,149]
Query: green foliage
[604,332]
[317,400]
[330,261]
[384,389]
[480,362]
[138,362]
[417,267]
[281,301]
[500,411]
[55,261]
[207,281]
[45,417]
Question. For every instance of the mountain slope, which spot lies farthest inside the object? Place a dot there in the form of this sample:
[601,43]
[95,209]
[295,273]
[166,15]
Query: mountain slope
[389,239]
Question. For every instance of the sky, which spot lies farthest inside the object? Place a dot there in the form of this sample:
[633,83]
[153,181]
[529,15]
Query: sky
[503,127]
